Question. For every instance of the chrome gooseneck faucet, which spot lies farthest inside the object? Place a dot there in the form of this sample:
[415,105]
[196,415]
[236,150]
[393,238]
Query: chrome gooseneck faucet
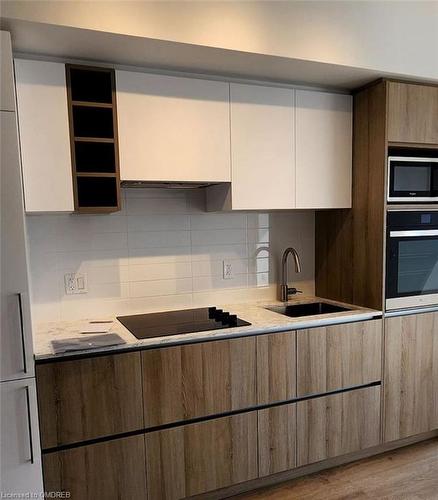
[284,290]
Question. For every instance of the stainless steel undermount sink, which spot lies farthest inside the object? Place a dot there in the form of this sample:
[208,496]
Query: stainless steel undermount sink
[309,309]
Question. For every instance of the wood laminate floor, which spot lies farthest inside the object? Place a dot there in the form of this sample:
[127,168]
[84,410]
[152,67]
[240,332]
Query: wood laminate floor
[410,473]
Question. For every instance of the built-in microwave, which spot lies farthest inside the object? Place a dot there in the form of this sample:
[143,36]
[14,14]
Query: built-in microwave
[411,259]
[412,179]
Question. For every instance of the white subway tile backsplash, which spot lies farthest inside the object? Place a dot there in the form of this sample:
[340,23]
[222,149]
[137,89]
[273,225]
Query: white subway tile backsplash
[216,282]
[153,239]
[257,220]
[258,265]
[105,291]
[218,237]
[215,267]
[159,255]
[162,251]
[233,295]
[218,221]
[258,235]
[148,206]
[258,279]
[159,271]
[160,287]
[75,240]
[158,222]
[108,274]
[153,304]
[219,252]
[105,223]
[73,261]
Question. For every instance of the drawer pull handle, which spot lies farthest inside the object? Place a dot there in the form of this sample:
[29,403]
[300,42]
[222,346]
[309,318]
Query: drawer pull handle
[23,341]
[29,425]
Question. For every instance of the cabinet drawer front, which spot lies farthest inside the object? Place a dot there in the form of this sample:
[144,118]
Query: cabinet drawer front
[411,375]
[196,458]
[277,439]
[276,367]
[110,470]
[89,398]
[338,357]
[335,425]
[197,380]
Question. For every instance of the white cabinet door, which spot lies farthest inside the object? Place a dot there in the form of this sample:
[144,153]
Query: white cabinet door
[19,440]
[323,149]
[16,354]
[262,147]
[172,128]
[7,99]
[44,136]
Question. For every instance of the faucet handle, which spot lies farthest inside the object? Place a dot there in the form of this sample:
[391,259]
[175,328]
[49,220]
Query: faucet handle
[293,291]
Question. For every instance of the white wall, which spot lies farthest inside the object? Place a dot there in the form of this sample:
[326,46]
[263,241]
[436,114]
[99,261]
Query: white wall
[162,251]
[389,36]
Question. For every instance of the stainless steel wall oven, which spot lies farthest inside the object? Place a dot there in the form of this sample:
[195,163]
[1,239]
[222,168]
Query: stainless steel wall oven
[411,259]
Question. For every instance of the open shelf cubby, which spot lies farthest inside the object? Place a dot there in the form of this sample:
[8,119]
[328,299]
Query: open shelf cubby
[93,138]
[91,84]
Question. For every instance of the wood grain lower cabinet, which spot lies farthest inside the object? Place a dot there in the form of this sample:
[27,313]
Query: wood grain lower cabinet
[411,375]
[335,425]
[276,367]
[89,398]
[196,458]
[111,470]
[339,356]
[198,380]
[277,439]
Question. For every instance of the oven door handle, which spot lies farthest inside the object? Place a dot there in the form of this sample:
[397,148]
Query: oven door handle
[413,234]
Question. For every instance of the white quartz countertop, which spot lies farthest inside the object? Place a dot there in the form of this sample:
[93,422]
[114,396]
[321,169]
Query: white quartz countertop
[261,319]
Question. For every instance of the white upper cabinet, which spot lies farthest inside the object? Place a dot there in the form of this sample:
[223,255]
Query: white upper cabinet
[323,150]
[44,136]
[172,128]
[262,147]
[7,99]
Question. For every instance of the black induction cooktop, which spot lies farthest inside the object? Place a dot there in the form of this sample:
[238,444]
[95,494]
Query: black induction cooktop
[144,326]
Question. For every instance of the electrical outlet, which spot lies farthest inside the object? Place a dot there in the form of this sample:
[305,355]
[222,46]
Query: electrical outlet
[75,283]
[228,272]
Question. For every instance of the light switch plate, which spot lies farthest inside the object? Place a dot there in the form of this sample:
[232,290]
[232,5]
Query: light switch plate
[75,283]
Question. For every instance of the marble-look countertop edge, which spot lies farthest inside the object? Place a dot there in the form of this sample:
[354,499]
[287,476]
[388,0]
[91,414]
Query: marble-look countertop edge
[262,321]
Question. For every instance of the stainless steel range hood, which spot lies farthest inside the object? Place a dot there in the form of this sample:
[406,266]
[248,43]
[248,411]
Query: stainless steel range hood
[166,184]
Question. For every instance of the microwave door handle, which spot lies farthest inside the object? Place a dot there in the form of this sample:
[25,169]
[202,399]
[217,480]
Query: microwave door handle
[413,233]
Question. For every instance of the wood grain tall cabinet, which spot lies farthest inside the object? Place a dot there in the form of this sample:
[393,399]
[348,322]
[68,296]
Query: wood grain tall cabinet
[388,116]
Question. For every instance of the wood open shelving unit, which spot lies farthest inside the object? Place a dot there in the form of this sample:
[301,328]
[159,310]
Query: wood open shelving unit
[93,138]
